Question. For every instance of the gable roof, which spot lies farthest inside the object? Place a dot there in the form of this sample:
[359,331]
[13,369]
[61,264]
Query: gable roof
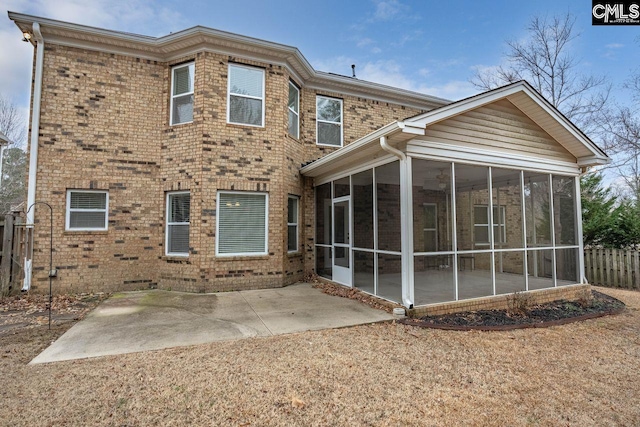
[520,94]
[536,107]
[200,38]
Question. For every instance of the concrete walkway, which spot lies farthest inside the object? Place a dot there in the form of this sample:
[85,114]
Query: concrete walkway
[150,320]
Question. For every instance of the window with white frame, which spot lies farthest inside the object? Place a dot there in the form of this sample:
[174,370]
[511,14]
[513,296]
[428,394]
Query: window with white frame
[294,110]
[246,95]
[242,223]
[481,225]
[292,223]
[328,121]
[430,229]
[177,231]
[182,93]
[87,210]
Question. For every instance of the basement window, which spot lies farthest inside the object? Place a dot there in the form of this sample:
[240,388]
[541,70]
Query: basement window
[87,210]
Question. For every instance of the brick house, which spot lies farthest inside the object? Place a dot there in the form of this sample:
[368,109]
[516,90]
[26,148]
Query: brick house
[206,161]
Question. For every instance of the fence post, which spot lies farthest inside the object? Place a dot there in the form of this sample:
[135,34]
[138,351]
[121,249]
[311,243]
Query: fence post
[7,246]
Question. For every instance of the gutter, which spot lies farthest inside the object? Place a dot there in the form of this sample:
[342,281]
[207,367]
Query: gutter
[33,147]
[406,237]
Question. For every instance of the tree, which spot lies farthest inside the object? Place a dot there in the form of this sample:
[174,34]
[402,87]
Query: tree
[544,59]
[598,219]
[14,162]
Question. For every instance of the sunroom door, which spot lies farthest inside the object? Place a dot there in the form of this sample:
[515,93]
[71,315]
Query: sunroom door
[342,240]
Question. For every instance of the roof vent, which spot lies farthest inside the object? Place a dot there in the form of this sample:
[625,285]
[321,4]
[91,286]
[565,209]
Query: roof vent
[353,70]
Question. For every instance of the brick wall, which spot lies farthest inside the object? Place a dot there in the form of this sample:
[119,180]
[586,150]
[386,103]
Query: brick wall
[105,125]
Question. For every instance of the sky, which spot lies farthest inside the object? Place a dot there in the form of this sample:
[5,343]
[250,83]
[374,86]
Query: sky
[427,46]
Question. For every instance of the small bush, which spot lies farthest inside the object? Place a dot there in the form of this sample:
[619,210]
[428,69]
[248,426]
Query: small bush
[519,304]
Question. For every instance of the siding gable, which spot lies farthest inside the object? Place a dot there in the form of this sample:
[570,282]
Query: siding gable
[499,126]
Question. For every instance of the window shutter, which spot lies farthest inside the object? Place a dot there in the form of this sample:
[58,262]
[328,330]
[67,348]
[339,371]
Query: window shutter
[242,223]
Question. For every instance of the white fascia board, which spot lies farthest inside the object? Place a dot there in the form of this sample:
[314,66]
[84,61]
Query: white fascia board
[566,123]
[593,161]
[451,153]
[318,167]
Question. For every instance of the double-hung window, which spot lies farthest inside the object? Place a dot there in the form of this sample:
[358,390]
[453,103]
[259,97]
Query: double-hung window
[481,225]
[177,232]
[242,223]
[328,121]
[182,93]
[294,110]
[87,210]
[246,95]
[292,223]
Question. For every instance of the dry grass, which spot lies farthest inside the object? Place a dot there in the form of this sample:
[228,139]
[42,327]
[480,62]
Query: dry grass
[580,374]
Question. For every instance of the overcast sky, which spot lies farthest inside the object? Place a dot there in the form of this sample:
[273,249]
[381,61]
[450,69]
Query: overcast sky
[426,46]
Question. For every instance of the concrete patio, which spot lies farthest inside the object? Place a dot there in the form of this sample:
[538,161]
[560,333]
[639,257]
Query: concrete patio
[151,320]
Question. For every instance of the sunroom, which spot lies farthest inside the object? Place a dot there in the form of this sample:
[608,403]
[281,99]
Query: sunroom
[475,199]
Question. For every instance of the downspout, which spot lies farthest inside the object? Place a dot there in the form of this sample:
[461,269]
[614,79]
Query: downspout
[33,149]
[405,229]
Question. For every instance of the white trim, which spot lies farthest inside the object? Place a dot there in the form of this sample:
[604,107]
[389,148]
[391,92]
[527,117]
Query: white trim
[191,66]
[296,113]
[167,223]
[524,231]
[362,167]
[68,211]
[433,150]
[266,224]
[340,123]
[578,206]
[229,94]
[296,224]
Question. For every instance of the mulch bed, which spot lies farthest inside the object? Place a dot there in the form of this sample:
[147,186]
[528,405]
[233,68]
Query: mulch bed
[539,316]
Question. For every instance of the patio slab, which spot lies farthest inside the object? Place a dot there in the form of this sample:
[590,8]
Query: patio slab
[151,320]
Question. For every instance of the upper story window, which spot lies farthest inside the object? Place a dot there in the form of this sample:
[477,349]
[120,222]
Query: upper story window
[177,231]
[182,93]
[294,110]
[246,95]
[328,121]
[87,210]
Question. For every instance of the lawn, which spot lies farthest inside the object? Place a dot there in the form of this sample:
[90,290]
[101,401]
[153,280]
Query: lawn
[580,374]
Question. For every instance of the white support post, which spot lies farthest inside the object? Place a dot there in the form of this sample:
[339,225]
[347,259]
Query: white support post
[491,236]
[524,232]
[553,232]
[578,207]
[406,237]
[454,231]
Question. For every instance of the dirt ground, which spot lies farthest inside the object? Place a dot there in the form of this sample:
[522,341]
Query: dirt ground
[581,374]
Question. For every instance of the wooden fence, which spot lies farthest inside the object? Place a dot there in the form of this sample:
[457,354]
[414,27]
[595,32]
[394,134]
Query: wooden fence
[12,251]
[613,267]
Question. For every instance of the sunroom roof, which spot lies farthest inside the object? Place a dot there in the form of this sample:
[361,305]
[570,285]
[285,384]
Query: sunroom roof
[520,94]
